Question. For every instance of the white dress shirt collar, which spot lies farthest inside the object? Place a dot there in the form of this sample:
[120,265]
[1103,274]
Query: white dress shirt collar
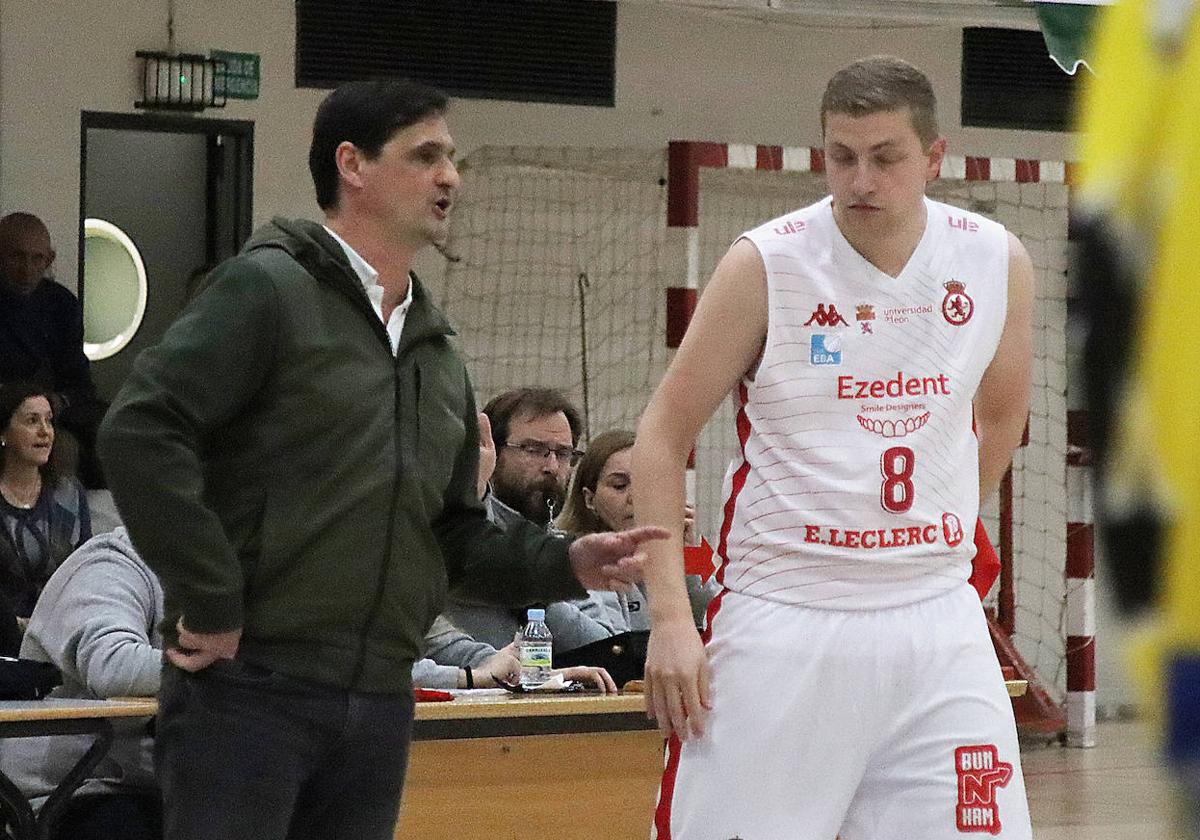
[369,278]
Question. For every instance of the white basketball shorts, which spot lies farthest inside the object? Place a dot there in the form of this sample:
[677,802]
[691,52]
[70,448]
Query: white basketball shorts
[889,724]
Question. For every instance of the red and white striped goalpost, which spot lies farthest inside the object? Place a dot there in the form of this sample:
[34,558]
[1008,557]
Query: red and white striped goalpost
[1081,588]
[1037,709]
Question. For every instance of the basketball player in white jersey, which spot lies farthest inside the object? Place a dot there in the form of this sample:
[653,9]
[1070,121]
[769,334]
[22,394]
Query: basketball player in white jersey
[878,347]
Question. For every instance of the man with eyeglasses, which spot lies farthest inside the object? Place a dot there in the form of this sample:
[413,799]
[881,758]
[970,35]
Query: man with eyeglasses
[535,432]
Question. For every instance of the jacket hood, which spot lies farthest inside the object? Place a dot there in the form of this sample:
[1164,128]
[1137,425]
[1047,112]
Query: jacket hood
[309,244]
[306,242]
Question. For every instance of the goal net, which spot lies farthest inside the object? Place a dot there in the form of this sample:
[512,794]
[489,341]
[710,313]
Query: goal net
[556,274]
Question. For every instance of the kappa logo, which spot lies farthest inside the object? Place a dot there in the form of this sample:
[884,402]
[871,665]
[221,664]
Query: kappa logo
[793,226]
[826,317]
[957,306]
[980,772]
[825,350]
[865,314]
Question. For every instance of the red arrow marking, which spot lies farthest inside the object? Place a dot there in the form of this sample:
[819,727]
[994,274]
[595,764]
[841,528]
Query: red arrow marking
[697,560]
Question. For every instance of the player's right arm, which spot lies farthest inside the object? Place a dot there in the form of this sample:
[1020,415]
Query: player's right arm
[722,342]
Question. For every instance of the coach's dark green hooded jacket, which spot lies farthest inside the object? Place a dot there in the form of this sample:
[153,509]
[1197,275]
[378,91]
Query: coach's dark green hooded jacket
[284,473]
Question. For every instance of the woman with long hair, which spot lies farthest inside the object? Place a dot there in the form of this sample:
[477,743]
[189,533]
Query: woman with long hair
[44,512]
[601,499]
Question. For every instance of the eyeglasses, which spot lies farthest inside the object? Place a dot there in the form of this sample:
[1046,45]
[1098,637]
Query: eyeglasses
[537,449]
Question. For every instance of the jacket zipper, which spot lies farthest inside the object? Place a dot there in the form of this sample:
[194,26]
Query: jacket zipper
[381,578]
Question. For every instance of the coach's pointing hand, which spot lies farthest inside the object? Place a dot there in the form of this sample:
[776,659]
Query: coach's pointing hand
[612,560]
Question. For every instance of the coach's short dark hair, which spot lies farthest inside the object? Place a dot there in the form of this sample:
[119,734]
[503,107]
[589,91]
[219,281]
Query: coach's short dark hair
[536,402]
[883,83]
[367,114]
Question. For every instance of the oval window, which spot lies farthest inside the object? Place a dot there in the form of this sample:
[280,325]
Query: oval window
[114,283]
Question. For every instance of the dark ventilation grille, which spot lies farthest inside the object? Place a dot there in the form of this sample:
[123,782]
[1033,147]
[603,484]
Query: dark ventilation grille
[561,51]
[1010,81]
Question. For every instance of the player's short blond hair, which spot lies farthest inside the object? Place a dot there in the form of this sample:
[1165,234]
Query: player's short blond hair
[883,83]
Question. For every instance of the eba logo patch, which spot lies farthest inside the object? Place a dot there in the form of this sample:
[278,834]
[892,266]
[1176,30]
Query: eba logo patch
[826,350]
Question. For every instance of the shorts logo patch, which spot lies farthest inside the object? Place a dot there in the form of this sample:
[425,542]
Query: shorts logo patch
[980,772]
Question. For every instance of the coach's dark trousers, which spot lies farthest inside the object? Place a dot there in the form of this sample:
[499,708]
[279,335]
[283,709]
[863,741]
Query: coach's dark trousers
[244,753]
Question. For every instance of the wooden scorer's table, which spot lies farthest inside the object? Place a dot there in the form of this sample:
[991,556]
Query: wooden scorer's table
[588,766]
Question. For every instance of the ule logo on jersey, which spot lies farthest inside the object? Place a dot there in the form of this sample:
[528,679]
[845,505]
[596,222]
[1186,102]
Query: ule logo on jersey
[980,772]
[792,226]
[957,306]
[963,223]
[826,350]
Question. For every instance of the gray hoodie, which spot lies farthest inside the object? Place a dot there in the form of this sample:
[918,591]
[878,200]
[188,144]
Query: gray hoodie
[97,622]
[447,649]
[620,611]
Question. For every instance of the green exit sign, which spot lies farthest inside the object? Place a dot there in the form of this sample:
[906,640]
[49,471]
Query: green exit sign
[241,75]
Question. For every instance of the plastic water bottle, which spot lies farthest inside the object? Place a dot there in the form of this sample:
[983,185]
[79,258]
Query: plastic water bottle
[536,646]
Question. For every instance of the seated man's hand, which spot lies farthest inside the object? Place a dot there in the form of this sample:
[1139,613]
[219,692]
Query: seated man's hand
[487,455]
[197,651]
[591,677]
[502,664]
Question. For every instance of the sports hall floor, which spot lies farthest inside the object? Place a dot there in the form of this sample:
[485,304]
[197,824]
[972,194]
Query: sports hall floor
[1114,791]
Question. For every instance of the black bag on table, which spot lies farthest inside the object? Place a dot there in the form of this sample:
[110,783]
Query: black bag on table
[622,655]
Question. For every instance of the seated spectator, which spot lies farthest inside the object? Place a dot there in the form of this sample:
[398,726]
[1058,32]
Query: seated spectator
[601,499]
[455,660]
[528,457]
[534,433]
[44,514]
[97,622]
[41,335]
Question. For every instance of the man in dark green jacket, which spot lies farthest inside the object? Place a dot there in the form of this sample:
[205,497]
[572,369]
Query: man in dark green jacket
[297,461]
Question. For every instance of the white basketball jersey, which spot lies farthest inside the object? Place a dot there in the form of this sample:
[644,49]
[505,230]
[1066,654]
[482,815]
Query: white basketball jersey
[857,483]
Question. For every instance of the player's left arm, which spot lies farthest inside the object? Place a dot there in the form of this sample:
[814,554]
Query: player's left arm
[1002,401]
